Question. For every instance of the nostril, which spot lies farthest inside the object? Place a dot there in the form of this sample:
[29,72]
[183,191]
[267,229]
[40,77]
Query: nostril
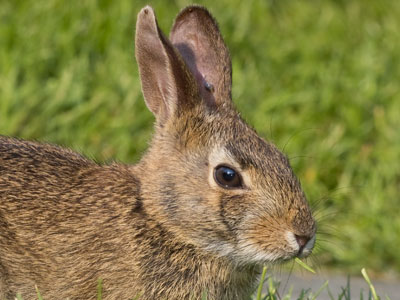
[302,240]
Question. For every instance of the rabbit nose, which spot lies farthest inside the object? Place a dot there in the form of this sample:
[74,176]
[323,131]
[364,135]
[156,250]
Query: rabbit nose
[302,240]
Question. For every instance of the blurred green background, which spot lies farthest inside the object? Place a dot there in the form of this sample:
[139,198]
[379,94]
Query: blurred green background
[319,78]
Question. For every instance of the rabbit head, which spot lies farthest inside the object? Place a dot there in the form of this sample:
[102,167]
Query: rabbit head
[212,180]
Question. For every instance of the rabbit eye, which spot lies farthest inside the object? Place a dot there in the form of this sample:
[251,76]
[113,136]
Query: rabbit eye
[227,177]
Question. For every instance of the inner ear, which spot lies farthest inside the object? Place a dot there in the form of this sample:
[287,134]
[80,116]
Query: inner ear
[206,88]
[196,36]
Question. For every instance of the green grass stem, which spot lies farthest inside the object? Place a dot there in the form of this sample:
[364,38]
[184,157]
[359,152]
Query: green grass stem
[261,284]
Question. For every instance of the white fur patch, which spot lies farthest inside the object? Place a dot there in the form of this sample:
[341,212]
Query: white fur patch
[251,253]
[247,251]
[291,239]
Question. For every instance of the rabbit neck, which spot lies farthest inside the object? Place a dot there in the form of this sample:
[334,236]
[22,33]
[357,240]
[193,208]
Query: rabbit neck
[171,268]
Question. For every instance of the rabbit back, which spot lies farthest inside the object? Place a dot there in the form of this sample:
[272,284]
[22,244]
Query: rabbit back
[63,219]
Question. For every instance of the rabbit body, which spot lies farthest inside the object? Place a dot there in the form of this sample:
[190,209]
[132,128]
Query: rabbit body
[65,222]
[174,226]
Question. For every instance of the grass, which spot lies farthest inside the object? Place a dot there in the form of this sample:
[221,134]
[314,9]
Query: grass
[273,288]
[318,78]
[268,289]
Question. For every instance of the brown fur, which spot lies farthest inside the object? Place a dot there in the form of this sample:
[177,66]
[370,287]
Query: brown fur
[162,228]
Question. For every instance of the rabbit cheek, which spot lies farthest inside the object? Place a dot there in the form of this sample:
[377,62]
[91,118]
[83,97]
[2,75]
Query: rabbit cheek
[231,211]
[222,232]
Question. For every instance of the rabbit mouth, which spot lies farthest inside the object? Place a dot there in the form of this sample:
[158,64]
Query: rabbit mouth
[307,249]
[259,256]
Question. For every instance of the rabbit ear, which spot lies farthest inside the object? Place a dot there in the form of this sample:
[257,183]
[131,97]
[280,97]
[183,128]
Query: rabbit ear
[166,81]
[196,35]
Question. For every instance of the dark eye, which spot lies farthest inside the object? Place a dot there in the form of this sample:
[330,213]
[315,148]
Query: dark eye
[227,177]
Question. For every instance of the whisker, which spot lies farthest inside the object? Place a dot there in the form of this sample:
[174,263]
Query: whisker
[297,133]
[288,278]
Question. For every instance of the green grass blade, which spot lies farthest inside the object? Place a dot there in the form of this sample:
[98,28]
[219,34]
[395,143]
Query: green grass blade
[371,287]
[272,288]
[204,296]
[99,289]
[19,297]
[260,286]
[330,293]
[324,286]
[304,265]
[38,293]
[348,288]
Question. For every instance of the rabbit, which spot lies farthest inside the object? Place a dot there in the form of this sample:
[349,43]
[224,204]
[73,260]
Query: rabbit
[205,208]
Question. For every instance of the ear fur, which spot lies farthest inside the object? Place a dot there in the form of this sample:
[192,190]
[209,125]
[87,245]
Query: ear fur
[196,35]
[167,84]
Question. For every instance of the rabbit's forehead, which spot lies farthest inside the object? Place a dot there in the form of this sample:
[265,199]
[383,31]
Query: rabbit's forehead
[252,152]
[231,140]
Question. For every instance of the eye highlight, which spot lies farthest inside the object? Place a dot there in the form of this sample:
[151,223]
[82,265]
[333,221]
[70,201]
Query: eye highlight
[227,177]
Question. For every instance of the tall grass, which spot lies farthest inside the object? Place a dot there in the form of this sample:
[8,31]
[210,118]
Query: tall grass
[318,78]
